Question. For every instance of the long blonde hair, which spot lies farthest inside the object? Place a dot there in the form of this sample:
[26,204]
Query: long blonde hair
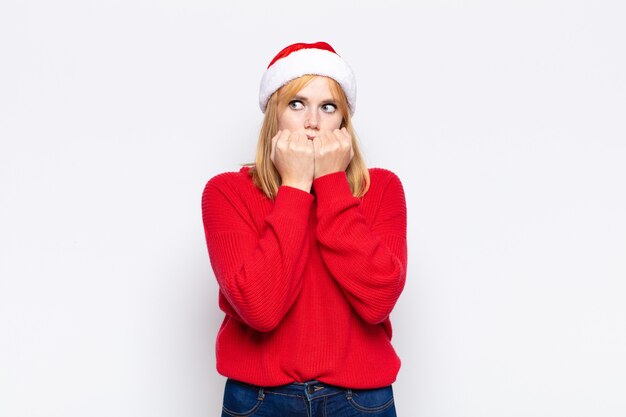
[264,173]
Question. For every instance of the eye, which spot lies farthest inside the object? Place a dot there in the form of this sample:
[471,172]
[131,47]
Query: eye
[329,108]
[296,105]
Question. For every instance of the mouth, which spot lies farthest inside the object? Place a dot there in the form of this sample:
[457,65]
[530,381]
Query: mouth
[310,137]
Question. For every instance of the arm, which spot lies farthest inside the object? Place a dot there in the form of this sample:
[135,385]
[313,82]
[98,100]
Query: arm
[367,259]
[258,272]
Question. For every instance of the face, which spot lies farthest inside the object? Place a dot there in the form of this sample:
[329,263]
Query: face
[311,110]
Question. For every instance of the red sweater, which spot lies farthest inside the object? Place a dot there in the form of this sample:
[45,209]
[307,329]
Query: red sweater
[307,280]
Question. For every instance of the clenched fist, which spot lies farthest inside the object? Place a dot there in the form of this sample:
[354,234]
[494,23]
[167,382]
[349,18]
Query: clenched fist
[333,151]
[293,156]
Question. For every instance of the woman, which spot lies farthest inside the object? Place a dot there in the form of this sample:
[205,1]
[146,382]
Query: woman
[309,249]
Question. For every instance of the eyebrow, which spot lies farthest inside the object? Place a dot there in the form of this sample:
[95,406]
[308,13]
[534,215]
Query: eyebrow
[302,98]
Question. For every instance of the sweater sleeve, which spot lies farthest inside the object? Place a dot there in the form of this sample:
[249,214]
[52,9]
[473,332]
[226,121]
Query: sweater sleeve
[259,272]
[368,261]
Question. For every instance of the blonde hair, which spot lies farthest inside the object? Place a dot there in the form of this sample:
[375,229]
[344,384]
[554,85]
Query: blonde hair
[264,173]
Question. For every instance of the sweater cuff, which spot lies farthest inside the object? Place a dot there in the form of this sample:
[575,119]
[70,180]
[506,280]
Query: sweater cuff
[332,187]
[293,202]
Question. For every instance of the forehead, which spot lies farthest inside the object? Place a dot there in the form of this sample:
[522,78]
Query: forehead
[317,87]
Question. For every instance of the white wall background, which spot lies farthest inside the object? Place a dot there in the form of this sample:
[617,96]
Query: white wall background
[505,121]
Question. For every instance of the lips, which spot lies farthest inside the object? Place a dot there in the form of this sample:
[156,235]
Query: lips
[310,137]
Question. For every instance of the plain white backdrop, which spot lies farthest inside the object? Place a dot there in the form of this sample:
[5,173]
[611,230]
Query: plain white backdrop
[504,120]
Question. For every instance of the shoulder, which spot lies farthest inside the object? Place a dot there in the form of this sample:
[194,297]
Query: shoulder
[385,185]
[230,183]
[381,179]
[234,179]
[385,197]
[382,174]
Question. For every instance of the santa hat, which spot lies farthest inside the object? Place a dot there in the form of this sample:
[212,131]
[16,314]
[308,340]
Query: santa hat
[307,58]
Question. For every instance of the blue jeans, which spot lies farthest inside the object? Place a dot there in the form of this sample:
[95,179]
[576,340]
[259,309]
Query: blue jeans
[308,399]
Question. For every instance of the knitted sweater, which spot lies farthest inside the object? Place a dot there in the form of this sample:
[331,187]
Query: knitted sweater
[307,281]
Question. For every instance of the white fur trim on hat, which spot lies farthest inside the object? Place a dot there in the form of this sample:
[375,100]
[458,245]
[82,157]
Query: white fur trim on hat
[308,61]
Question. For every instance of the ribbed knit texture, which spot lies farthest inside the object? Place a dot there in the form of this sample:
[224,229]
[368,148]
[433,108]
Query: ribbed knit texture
[307,281]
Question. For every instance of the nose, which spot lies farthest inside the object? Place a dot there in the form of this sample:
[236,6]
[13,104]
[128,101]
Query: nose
[312,121]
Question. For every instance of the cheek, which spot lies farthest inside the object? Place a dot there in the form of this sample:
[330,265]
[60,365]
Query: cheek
[335,122]
[288,121]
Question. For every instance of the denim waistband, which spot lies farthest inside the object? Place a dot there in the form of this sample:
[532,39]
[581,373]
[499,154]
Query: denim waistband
[309,389]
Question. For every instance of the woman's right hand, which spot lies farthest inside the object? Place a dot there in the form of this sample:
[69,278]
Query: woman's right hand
[293,156]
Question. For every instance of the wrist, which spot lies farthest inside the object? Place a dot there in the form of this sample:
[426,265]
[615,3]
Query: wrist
[301,185]
[322,173]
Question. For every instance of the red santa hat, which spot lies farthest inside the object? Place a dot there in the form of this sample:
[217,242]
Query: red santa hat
[307,58]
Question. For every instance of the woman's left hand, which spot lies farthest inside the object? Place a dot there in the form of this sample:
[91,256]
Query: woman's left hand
[333,151]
